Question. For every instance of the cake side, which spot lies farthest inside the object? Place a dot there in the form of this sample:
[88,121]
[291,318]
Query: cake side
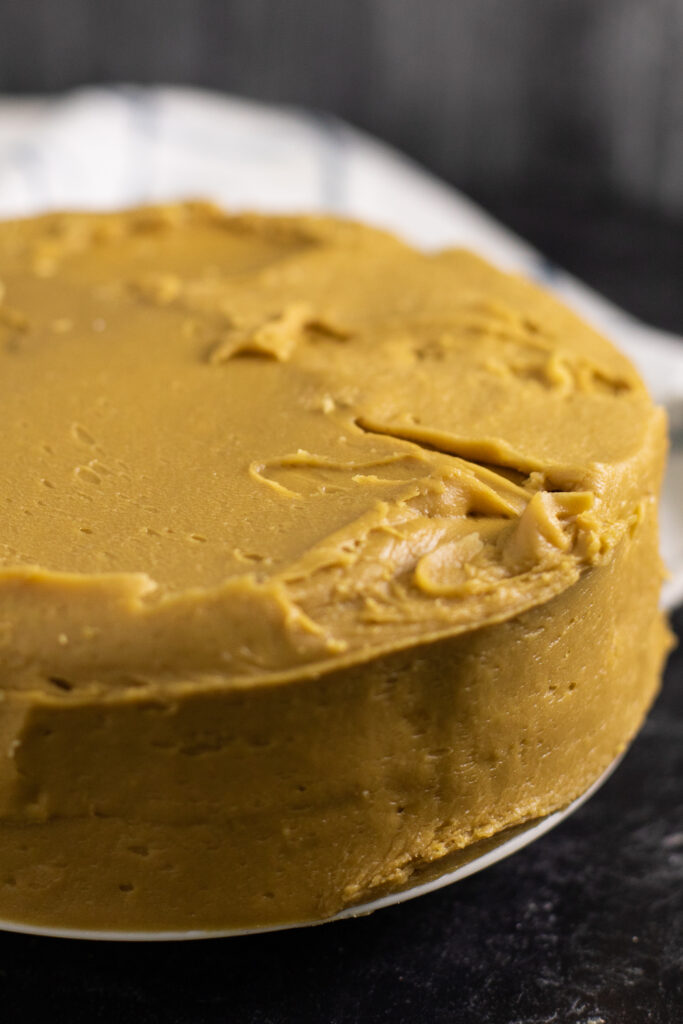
[226,809]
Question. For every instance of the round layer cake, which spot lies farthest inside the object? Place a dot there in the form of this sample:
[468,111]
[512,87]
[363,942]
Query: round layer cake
[321,559]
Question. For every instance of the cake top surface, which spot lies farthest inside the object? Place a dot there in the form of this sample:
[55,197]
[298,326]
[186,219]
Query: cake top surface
[242,446]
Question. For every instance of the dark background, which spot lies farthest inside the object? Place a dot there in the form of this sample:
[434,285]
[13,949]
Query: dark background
[584,95]
[565,118]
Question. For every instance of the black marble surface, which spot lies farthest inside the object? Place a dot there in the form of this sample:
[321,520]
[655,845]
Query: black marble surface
[583,927]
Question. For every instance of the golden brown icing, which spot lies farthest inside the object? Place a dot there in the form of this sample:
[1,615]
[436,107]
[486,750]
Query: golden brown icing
[260,473]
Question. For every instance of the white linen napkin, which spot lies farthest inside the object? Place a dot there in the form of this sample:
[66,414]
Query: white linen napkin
[108,147]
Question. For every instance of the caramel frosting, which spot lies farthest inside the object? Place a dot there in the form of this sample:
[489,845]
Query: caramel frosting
[255,472]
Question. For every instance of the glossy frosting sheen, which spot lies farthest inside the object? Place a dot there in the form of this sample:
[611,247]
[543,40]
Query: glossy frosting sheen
[260,473]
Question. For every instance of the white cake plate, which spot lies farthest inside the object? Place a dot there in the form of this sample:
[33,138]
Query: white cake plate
[498,851]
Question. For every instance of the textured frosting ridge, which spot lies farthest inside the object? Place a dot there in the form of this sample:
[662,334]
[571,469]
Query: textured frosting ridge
[412,445]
